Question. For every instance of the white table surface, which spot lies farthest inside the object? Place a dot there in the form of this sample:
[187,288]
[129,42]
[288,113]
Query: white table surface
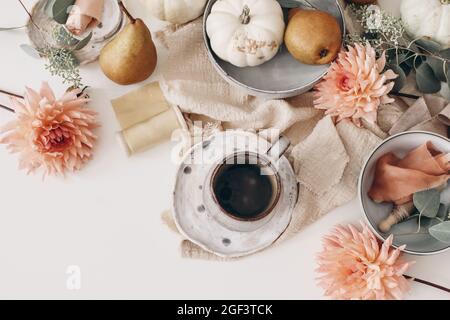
[106,218]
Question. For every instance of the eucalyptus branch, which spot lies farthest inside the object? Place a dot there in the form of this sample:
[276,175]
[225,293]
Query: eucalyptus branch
[29,14]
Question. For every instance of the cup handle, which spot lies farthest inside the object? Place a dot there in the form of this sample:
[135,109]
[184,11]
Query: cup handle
[279,147]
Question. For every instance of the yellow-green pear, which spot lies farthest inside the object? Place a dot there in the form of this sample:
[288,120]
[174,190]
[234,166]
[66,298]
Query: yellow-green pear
[131,56]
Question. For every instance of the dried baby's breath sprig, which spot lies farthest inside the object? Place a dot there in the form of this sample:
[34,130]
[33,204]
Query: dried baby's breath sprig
[386,33]
[381,29]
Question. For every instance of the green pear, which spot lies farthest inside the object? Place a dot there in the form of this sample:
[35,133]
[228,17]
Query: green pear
[131,56]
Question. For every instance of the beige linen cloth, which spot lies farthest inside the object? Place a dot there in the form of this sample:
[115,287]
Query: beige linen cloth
[327,158]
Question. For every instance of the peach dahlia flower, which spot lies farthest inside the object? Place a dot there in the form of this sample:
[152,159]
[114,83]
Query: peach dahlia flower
[49,133]
[355,85]
[354,266]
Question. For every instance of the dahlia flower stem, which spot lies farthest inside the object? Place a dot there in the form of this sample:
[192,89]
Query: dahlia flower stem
[6,108]
[404,95]
[9,94]
[428,283]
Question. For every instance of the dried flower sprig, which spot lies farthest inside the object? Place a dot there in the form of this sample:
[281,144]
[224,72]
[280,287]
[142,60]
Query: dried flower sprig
[61,59]
[387,33]
[61,62]
[381,29]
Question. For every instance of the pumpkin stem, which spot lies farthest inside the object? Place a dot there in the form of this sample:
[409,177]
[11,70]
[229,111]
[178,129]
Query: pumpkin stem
[245,15]
[444,2]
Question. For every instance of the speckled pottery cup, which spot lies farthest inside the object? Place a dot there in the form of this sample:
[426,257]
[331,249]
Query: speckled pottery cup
[204,221]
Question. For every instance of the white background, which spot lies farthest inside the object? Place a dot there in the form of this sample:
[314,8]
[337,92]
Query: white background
[106,218]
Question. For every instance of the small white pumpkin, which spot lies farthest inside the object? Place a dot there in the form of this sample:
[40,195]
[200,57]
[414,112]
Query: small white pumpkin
[245,32]
[427,18]
[175,11]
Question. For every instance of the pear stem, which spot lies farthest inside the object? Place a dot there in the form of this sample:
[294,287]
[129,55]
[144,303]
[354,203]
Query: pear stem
[127,13]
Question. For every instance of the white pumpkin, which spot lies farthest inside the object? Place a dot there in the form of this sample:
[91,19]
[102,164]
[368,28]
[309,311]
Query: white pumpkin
[245,32]
[175,11]
[427,18]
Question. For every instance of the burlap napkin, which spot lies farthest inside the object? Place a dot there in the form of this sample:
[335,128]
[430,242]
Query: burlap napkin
[327,158]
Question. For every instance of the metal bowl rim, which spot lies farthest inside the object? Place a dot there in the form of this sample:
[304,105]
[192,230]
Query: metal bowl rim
[240,84]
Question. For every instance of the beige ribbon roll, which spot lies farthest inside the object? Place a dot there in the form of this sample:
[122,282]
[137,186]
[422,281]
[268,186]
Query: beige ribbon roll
[146,118]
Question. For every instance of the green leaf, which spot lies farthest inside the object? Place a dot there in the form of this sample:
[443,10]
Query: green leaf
[60,10]
[83,43]
[442,212]
[427,202]
[289,4]
[438,68]
[441,231]
[429,45]
[448,78]
[445,54]
[31,51]
[426,79]
[400,81]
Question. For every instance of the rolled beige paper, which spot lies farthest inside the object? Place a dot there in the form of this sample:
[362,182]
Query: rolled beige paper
[139,105]
[146,118]
[83,15]
[151,132]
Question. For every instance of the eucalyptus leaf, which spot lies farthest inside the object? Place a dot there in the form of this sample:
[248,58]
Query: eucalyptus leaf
[426,79]
[400,81]
[83,43]
[441,231]
[445,54]
[448,78]
[427,202]
[442,212]
[429,45]
[289,4]
[60,10]
[438,68]
[31,51]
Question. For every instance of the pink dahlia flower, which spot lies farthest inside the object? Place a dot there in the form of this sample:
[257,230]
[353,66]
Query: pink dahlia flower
[354,266]
[49,133]
[355,85]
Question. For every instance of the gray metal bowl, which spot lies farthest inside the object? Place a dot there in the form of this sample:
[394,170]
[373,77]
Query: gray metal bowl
[281,77]
[404,233]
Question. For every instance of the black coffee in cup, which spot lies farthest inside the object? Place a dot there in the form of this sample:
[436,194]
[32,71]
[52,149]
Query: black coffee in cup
[245,191]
